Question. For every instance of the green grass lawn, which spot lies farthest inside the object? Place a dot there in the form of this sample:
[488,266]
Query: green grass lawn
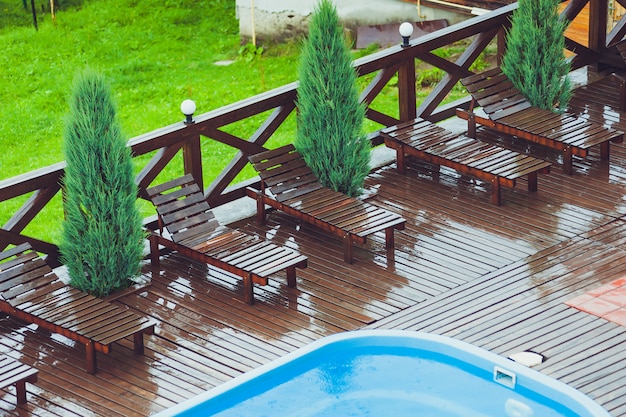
[154,54]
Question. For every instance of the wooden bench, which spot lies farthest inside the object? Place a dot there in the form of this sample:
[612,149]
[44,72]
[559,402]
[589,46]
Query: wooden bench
[432,143]
[16,373]
[31,291]
[289,185]
[195,233]
[509,112]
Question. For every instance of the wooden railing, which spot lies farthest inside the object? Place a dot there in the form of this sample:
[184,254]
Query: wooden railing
[43,184]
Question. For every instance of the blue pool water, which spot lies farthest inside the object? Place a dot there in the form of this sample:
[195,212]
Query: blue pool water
[391,373]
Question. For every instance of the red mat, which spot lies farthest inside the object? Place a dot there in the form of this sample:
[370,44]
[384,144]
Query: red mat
[607,301]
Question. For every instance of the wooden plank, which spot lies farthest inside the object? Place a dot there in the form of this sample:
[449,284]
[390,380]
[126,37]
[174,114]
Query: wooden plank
[52,300]
[564,132]
[497,276]
[196,233]
[349,221]
[468,156]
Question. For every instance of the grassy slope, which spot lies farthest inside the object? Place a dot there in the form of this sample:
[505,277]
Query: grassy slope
[154,54]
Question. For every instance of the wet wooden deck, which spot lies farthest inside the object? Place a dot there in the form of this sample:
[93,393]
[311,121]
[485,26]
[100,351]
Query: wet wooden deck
[494,276]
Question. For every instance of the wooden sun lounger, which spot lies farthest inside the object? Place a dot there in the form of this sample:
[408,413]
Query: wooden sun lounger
[508,111]
[16,373]
[195,233]
[289,185]
[432,143]
[31,291]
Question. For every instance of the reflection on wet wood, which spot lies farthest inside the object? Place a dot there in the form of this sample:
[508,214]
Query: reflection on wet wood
[496,276]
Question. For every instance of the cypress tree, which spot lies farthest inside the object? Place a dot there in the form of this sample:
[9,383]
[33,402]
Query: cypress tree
[102,241]
[535,56]
[330,115]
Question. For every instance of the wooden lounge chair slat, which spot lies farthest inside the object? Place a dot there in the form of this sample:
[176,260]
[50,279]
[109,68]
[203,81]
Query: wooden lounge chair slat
[490,162]
[186,212]
[239,257]
[196,233]
[44,299]
[228,241]
[16,373]
[21,296]
[315,206]
[355,218]
[286,172]
[182,223]
[118,331]
[285,185]
[508,112]
[88,317]
[298,192]
[104,330]
[265,254]
[433,144]
[348,209]
[90,307]
[21,269]
[14,286]
[305,198]
[171,205]
[58,303]
[318,198]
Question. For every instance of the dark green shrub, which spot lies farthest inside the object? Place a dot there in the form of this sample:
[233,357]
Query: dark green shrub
[535,59]
[330,116]
[102,241]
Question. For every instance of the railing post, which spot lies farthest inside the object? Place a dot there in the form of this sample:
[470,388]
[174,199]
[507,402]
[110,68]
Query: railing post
[192,159]
[406,90]
[598,16]
[500,45]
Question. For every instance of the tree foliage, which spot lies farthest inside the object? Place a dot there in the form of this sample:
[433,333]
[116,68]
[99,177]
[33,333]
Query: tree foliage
[535,56]
[330,115]
[102,240]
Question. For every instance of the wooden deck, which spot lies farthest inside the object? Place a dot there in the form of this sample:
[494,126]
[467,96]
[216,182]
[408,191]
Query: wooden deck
[495,276]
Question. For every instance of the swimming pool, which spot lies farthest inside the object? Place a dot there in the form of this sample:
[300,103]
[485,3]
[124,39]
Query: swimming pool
[390,373]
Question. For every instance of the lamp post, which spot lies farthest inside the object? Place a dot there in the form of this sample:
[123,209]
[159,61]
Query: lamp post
[188,107]
[406,30]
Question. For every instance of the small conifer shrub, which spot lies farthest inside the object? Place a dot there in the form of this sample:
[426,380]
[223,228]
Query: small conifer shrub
[534,59]
[102,241]
[330,115]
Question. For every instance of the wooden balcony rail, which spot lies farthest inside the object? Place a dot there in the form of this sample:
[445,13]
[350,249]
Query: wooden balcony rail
[42,185]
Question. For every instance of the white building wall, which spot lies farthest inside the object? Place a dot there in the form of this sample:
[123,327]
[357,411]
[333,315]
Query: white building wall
[287,19]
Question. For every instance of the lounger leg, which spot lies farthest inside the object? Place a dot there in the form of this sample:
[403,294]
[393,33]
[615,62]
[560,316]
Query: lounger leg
[389,238]
[605,150]
[291,276]
[568,161]
[20,391]
[90,357]
[496,193]
[436,171]
[471,126]
[260,211]
[532,182]
[400,160]
[248,290]
[347,248]
[154,251]
[138,339]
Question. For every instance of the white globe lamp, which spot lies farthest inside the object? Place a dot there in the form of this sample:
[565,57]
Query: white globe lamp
[188,107]
[406,30]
